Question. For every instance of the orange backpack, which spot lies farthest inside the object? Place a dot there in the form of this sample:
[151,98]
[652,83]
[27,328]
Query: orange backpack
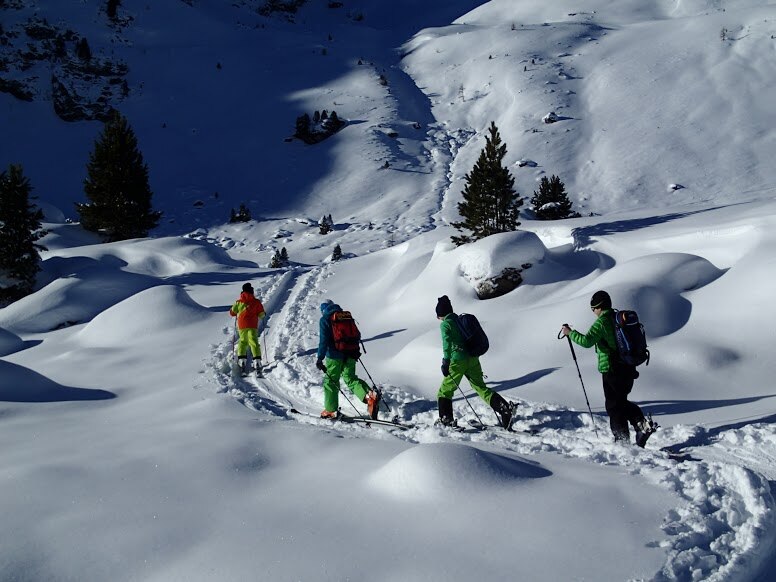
[347,338]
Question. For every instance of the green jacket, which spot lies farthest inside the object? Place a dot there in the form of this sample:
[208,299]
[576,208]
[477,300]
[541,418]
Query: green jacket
[452,342]
[601,335]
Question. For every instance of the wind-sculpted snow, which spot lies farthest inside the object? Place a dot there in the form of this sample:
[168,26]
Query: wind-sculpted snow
[446,472]
[9,342]
[172,310]
[73,300]
[659,284]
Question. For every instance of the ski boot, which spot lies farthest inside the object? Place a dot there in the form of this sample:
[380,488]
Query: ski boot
[257,367]
[373,403]
[242,365]
[446,417]
[644,430]
[504,410]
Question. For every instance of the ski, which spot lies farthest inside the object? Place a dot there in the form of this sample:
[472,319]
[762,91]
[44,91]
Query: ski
[479,426]
[367,420]
[357,419]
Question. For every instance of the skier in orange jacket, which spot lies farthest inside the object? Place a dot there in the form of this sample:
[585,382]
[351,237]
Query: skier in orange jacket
[248,310]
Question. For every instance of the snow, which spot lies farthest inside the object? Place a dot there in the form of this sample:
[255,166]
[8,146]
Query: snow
[132,450]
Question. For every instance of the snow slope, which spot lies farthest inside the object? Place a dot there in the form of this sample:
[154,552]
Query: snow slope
[133,452]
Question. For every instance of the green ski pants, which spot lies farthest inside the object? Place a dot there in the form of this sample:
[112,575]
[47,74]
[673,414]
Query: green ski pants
[248,338]
[345,369]
[471,368]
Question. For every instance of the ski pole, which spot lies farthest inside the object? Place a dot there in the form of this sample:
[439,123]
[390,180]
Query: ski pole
[264,341]
[234,340]
[326,373]
[579,373]
[349,401]
[458,385]
[374,386]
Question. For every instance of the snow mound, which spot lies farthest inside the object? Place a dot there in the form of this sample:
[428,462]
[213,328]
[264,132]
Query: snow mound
[437,471]
[9,342]
[162,309]
[660,303]
[73,299]
[170,257]
[488,257]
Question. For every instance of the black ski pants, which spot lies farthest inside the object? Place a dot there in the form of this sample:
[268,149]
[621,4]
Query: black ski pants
[618,382]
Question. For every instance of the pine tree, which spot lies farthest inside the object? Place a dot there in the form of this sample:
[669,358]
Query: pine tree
[242,215]
[117,186]
[337,254]
[490,204]
[82,50]
[20,229]
[302,126]
[284,257]
[325,224]
[276,262]
[551,202]
[112,9]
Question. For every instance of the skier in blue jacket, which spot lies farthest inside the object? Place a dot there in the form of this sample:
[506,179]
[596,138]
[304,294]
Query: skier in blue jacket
[340,364]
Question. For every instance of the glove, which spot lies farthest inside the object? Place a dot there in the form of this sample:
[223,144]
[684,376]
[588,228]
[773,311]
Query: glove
[445,367]
[321,366]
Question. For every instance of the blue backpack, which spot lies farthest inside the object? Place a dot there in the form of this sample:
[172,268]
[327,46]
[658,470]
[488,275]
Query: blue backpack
[631,338]
[474,339]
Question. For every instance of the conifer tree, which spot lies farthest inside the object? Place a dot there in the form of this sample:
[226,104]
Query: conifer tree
[117,186]
[284,257]
[551,202]
[242,215]
[20,229]
[490,204]
[276,262]
[82,50]
[337,254]
[302,126]
[325,224]
[112,8]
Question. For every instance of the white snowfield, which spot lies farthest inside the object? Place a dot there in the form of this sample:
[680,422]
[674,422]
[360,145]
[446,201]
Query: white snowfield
[131,449]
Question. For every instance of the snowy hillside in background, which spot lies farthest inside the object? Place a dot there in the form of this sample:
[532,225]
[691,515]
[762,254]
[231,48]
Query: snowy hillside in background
[132,452]
[647,94]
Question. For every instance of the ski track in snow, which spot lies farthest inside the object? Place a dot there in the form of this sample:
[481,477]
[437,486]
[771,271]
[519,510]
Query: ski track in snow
[726,507]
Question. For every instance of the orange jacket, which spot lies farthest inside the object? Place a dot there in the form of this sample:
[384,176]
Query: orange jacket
[248,311]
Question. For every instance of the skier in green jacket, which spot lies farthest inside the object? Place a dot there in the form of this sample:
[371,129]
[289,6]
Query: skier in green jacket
[457,363]
[617,376]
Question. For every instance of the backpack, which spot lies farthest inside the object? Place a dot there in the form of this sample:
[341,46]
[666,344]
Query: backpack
[631,339]
[474,339]
[347,338]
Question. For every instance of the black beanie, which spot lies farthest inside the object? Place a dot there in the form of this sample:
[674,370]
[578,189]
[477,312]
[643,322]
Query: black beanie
[443,306]
[601,299]
[248,288]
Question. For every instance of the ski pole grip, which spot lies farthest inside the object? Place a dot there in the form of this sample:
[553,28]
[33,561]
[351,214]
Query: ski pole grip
[560,333]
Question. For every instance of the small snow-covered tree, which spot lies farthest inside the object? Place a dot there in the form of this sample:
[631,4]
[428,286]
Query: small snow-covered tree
[337,254]
[284,257]
[325,224]
[551,202]
[276,262]
[20,229]
[242,215]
